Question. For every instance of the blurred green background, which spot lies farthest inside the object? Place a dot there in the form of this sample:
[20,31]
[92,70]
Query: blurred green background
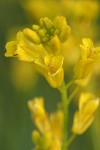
[20,83]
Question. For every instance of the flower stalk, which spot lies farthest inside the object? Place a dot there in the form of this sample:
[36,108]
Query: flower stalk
[70,140]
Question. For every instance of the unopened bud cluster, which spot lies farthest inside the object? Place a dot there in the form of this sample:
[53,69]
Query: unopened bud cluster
[50,34]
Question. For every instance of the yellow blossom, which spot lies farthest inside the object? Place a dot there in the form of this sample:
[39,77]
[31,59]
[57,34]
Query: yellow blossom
[39,115]
[55,73]
[24,49]
[89,56]
[47,64]
[51,68]
[49,135]
[84,117]
[40,46]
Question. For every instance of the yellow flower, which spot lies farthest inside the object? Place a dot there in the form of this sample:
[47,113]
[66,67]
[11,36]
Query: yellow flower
[89,51]
[55,73]
[48,65]
[41,46]
[24,49]
[49,136]
[39,115]
[89,56]
[51,68]
[84,117]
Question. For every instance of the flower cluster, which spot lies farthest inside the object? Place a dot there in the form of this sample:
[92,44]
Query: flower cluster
[50,127]
[41,47]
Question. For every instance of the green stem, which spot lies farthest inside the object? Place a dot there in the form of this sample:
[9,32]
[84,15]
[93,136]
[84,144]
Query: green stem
[65,110]
[72,95]
[69,84]
[70,140]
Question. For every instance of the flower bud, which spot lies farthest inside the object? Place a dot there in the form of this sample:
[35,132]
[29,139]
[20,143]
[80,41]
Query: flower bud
[32,36]
[66,30]
[55,44]
[35,27]
[36,106]
[61,25]
[35,137]
[46,23]
[45,140]
[59,21]
[42,32]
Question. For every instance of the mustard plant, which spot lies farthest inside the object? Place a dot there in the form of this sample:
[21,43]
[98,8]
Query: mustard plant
[41,47]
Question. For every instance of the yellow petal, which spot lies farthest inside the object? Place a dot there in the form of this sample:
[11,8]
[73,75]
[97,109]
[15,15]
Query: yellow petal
[56,80]
[79,69]
[83,52]
[56,122]
[88,42]
[83,68]
[57,61]
[86,123]
[48,59]
[80,123]
[56,145]
[25,54]
[75,126]
[11,48]
[97,54]
[91,107]
[84,100]
[66,30]
[83,82]
[45,140]
[36,106]
[53,63]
